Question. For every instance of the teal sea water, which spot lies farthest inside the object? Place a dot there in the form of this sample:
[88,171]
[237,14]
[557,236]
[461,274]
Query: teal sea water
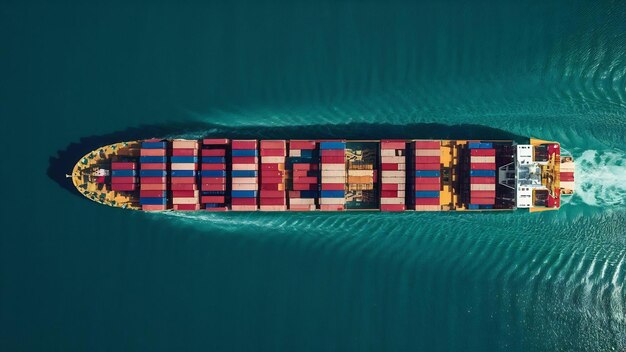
[76,276]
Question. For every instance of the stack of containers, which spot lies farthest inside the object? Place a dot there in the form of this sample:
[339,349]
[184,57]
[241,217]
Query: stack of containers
[427,184]
[153,172]
[393,180]
[214,174]
[333,167]
[272,194]
[184,164]
[305,173]
[482,175]
[123,176]
[244,175]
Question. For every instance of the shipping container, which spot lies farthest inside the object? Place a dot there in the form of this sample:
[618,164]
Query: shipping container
[184,187]
[213,152]
[152,201]
[183,180]
[240,173]
[483,152]
[392,207]
[123,179]
[152,152]
[483,166]
[243,201]
[153,166]
[214,141]
[298,144]
[184,166]
[332,145]
[243,207]
[119,165]
[153,207]
[152,180]
[426,201]
[480,145]
[245,166]
[422,144]
[482,180]
[244,152]
[243,144]
[186,207]
[123,173]
[245,160]
[185,200]
[212,199]
[393,200]
[184,144]
[153,145]
[273,152]
[428,152]
[215,180]
[486,173]
[213,166]
[152,194]
[154,187]
[185,152]
[123,187]
[184,159]
[277,144]
[306,167]
[152,173]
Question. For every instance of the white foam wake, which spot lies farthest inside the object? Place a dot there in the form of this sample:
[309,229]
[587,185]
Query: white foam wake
[601,177]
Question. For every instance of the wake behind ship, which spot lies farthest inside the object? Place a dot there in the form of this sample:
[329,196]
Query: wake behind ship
[326,175]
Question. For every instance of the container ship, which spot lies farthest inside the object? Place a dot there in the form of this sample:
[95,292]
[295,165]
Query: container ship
[327,175]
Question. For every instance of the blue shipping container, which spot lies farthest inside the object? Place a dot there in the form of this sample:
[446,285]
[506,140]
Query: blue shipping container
[214,205]
[152,159]
[473,206]
[486,173]
[153,173]
[332,194]
[308,194]
[486,206]
[152,201]
[426,194]
[213,193]
[427,173]
[213,173]
[244,152]
[480,145]
[183,173]
[244,173]
[332,145]
[309,153]
[184,159]
[213,159]
[153,145]
[243,194]
[123,173]
[297,160]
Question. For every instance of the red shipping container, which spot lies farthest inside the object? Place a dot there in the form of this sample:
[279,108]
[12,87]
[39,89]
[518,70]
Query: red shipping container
[213,152]
[393,145]
[296,144]
[304,180]
[427,159]
[333,186]
[482,180]
[187,207]
[333,160]
[152,152]
[273,194]
[183,180]
[243,144]
[214,180]
[303,186]
[153,207]
[333,152]
[154,187]
[154,166]
[213,187]
[389,194]
[272,173]
[483,166]
[392,207]
[431,166]
[183,194]
[389,167]
[153,180]
[147,193]
[331,207]
[184,152]
[118,165]
[273,152]
[426,201]
[421,180]
[482,194]
[243,201]
[213,141]
[568,175]
[483,152]
[427,144]
[482,201]
[217,209]
[307,167]
[269,187]
[212,199]
[123,186]
[184,187]
[124,179]
[294,194]
[269,167]
[244,160]
[279,144]
[389,187]
[304,173]
[271,179]
[213,166]
[427,187]
[273,201]
[567,179]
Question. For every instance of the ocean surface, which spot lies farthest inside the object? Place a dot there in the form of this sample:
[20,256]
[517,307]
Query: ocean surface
[77,276]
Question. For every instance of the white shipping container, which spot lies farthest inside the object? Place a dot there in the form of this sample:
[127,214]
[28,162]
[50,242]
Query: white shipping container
[184,166]
[330,201]
[184,144]
[334,179]
[394,180]
[388,152]
[386,173]
[245,180]
[361,173]
[386,200]
[567,184]
[186,200]
[245,166]
[301,201]
[428,207]
[333,166]
[295,152]
[333,173]
[482,187]
[393,159]
[273,207]
[483,159]
[427,152]
[297,207]
[272,160]
[243,207]
[245,187]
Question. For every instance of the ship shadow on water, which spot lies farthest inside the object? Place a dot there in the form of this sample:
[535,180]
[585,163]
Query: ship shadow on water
[64,160]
